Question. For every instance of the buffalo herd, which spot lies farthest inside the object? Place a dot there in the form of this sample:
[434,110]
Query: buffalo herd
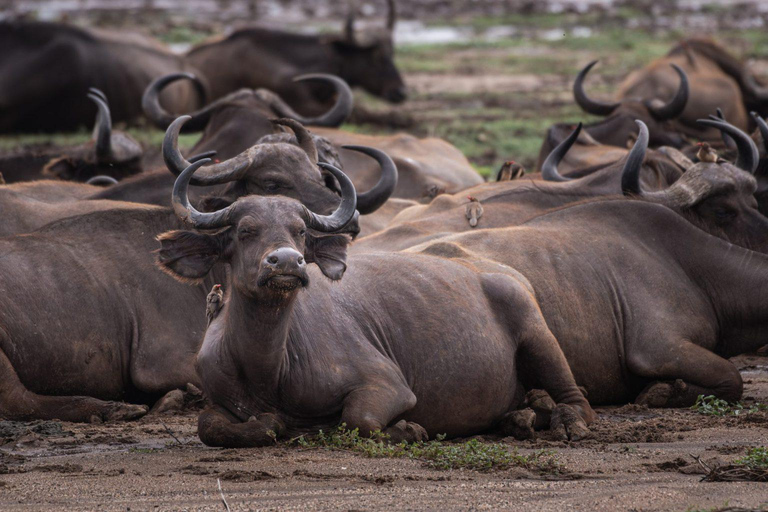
[304,276]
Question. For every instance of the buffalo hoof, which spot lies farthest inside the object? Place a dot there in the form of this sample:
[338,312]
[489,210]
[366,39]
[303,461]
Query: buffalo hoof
[405,431]
[543,405]
[519,424]
[125,412]
[567,424]
[661,394]
[268,421]
[173,401]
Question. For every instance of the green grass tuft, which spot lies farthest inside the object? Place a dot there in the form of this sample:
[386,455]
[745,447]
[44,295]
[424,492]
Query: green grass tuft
[756,458]
[712,406]
[438,454]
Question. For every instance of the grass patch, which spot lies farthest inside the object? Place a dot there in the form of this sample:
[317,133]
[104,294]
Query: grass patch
[438,454]
[756,458]
[712,406]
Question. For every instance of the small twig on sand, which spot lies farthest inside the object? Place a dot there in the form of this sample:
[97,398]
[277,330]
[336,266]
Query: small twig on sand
[167,429]
[223,499]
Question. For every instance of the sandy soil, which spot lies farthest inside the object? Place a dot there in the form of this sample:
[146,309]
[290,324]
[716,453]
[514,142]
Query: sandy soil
[637,459]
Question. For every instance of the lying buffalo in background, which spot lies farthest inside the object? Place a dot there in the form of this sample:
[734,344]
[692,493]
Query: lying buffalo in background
[278,361]
[426,167]
[658,111]
[263,58]
[46,70]
[109,153]
[639,299]
[718,197]
[717,80]
[239,120]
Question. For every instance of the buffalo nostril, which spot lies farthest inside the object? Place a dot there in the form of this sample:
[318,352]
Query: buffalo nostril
[272,259]
[301,259]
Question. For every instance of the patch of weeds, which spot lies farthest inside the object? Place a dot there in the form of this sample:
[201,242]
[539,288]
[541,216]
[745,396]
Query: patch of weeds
[438,454]
[756,458]
[710,405]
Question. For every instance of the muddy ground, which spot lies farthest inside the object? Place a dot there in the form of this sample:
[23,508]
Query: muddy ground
[637,459]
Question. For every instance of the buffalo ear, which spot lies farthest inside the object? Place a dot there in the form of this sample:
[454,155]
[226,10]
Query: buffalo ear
[189,256]
[62,168]
[329,252]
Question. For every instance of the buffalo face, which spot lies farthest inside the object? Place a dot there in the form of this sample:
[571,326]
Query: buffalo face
[371,66]
[266,241]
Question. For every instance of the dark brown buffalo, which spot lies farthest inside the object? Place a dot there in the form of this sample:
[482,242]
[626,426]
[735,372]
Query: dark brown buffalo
[426,167]
[717,80]
[284,358]
[46,70]
[657,111]
[118,342]
[637,297]
[109,153]
[239,120]
[256,58]
[718,197]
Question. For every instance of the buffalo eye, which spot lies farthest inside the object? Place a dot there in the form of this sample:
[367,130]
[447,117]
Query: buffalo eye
[302,232]
[270,186]
[723,213]
[247,233]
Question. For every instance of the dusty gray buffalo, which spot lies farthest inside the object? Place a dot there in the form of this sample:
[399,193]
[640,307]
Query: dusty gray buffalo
[263,58]
[641,301]
[318,361]
[46,70]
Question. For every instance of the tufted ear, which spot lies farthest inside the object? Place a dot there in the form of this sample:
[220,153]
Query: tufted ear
[329,252]
[187,255]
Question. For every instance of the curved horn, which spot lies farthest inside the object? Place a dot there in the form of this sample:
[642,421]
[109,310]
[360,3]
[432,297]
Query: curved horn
[369,202]
[303,137]
[747,154]
[727,140]
[630,173]
[760,92]
[549,170]
[150,103]
[763,127]
[186,212]
[590,106]
[102,130]
[343,214]
[99,93]
[200,156]
[340,111]
[391,15]
[101,180]
[677,104]
[223,172]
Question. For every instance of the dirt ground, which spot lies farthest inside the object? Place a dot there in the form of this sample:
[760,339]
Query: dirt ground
[637,459]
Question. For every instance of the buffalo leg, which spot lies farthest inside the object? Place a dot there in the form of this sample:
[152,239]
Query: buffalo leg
[692,370]
[18,403]
[216,427]
[372,408]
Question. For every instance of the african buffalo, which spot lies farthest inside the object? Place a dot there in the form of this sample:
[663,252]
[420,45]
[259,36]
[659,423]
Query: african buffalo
[618,127]
[264,58]
[234,123]
[717,80]
[636,296]
[108,153]
[46,70]
[718,197]
[276,362]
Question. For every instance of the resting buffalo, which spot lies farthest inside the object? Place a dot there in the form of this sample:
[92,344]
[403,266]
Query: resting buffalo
[283,357]
[636,296]
[718,197]
[658,111]
[109,153]
[46,70]
[232,124]
[717,80]
[263,58]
